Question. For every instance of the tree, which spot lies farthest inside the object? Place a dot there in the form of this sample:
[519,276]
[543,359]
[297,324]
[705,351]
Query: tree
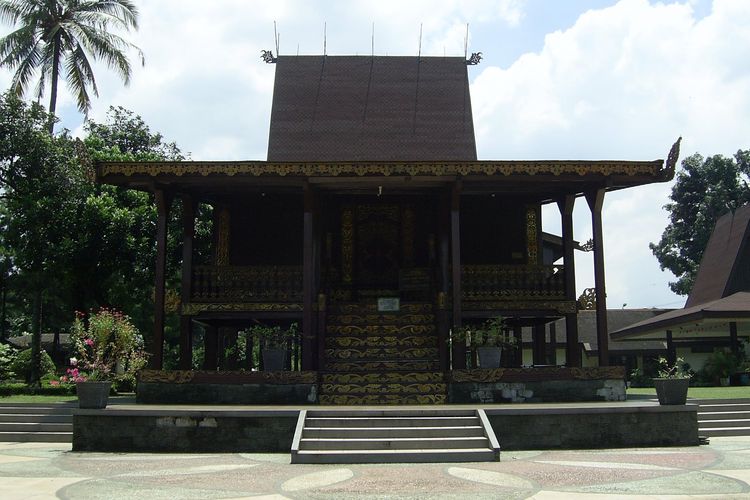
[41,180]
[704,190]
[59,37]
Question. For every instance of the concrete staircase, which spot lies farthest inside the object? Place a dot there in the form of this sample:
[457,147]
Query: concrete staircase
[27,422]
[723,417]
[393,436]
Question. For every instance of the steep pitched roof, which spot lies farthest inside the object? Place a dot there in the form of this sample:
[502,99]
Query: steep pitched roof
[725,266]
[359,108]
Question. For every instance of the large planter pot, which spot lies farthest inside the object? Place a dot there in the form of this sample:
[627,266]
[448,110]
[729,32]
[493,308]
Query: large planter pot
[274,359]
[489,356]
[93,394]
[672,391]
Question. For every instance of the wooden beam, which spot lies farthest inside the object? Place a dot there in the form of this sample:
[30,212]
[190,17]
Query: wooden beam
[459,351]
[572,349]
[733,340]
[186,322]
[671,352]
[163,201]
[595,200]
[308,279]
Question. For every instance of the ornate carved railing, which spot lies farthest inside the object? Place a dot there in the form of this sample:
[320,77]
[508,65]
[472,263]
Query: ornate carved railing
[506,282]
[247,284]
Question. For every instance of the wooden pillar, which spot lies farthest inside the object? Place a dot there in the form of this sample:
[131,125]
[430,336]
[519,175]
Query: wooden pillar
[308,280]
[443,259]
[538,347]
[186,322]
[552,346]
[518,334]
[211,348]
[459,351]
[595,200]
[572,349]
[671,352]
[163,201]
[734,343]
[322,327]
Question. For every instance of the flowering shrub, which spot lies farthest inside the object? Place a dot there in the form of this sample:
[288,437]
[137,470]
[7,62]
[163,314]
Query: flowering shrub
[109,348]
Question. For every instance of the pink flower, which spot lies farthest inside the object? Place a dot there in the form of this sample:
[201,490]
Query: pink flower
[54,383]
[89,342]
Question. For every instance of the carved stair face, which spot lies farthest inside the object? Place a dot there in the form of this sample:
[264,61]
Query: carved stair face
[376,357]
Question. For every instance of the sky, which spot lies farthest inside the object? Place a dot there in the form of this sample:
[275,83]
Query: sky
[574,79]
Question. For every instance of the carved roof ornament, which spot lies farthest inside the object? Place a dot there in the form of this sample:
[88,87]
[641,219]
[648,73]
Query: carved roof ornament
[671,163]
[267,56]
[475,58]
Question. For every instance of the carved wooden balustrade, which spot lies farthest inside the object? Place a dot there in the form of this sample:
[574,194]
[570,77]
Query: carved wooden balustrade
[508,282]
[247,284]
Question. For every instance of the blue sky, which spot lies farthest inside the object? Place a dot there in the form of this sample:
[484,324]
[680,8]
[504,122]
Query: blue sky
[573,79]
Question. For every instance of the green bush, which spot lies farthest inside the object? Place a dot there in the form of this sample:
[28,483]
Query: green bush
[21,365]
[14,389]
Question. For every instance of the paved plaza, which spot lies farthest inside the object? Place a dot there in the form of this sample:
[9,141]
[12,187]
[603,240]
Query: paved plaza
[42,470]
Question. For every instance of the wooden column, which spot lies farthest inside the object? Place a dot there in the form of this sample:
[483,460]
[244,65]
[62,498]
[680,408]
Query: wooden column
[538,347]
[211,348]
[443,259]
[459,351]
[186,322]
[518,356]
[734,343]
[308,280]
[595,200]
[671,352]
[572,349]
[163,201]
[552,353]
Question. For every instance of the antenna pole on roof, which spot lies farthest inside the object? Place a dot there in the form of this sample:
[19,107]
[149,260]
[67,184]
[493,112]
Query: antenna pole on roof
[276,38]
[466,42]
[419,53]
[324,38]
[372,48]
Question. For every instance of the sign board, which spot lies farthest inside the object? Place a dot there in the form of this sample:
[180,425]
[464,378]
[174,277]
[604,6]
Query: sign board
[389,304]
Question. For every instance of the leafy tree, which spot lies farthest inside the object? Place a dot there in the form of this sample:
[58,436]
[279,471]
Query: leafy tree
[59,37]
[704,190]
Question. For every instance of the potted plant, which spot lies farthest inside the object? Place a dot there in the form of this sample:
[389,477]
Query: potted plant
[673,381]
[487,340]
[109,348]
[274,344]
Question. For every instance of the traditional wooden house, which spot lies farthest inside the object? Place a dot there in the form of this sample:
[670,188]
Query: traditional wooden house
[372,192]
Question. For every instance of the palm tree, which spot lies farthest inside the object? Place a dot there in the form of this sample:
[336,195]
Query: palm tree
[60,37]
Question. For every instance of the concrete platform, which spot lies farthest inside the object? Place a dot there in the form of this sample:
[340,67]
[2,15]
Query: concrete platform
[255,429]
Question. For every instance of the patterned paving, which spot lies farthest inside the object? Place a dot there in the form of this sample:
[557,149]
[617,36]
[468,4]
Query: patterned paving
[50,470]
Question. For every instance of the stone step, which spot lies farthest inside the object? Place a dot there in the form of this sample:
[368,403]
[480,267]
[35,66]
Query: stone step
[723,415]
[383,378]
[385,354]
[375,413]
[35,427]
[430,421]
[33,417]
[723,423]
[404,443]
[382,341]
[393,432]
[379,329]
[382,399]
[415,388]
[395,456]
[38,410]
[365,366]
[380,319]
[723,431]
[39,437]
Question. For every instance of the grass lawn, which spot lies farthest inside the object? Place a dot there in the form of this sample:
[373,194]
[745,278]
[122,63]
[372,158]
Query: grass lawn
[28,398]
[700,392]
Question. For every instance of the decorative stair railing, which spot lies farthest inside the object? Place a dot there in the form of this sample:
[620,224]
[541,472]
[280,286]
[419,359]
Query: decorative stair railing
[247,284]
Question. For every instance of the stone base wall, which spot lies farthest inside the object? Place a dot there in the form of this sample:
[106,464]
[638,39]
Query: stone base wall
[240,394]
[548,391]
[108,431]
[596,427]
